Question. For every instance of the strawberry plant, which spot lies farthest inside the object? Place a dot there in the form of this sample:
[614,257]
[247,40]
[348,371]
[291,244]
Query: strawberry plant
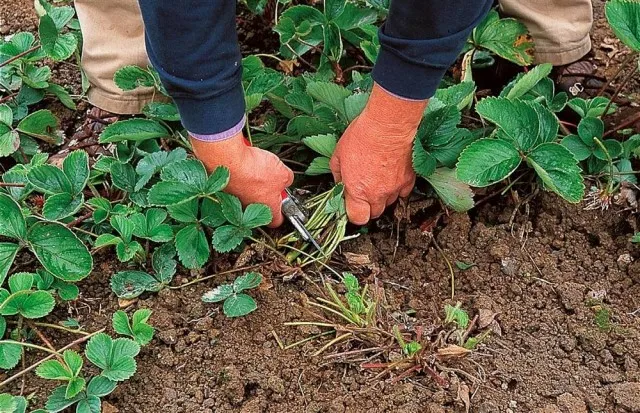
[136,328]
[130,284]
[235,302]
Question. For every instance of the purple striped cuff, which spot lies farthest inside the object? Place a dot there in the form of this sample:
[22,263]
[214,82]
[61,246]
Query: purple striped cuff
[221,136]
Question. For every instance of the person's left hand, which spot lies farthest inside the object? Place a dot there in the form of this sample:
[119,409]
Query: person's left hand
[373,157]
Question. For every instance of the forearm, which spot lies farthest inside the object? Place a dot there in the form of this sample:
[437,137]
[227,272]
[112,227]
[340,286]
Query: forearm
[420,40]
[193,45]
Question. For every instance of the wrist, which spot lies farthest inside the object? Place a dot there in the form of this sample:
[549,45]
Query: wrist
[228,152]
[387,108]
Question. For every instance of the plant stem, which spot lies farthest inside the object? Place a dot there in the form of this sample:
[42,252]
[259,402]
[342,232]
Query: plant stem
[297,343]
[616,74]
[269,55]
[627,122]
[33,366]
[45,341]
[18,56]
[80,219]
[29,345]
[610,183]
[56,327]
[10,185]
[208,277]
[619,88]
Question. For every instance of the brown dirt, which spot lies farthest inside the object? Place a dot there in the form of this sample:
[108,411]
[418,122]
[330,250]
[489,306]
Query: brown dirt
[546,275]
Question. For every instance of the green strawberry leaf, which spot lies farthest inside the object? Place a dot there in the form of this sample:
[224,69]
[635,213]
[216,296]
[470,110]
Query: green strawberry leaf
[132,77]
[34,304]
[319,166]
[247,281]
[172,193]
[487,161]
[8,252]
[164,263]
[114,357]
[54,370]
[74,387]
[613,148]
[527,81]
[9,140]
[590,128]
[50,180]
[189,172]
[22,281]
[220,293]
[211,213]
[192,246]
[508,38]
[130,284]
[57,400]
[239,305]
[256,215]
[123,176]
[330,94]
[56,45]
[151,225]
[231,208]
[577,147]
[162,111]
[60,206]
[453,192]
[12,223]
[76,167]
[217,181]
[136,130]
[558,170]
[228,237]
[100,386]
[322,144]
[59,251]
[624,18]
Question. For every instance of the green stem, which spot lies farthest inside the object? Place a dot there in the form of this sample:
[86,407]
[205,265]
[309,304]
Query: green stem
[208,277]
[29,345]
[606,152]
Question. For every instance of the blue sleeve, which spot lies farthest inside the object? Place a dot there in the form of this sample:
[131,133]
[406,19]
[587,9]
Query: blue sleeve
[420,40]
[193,45]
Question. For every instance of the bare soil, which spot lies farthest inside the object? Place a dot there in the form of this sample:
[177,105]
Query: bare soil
[546,270]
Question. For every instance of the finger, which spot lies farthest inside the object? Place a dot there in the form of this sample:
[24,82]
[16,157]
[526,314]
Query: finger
[289,176]
[276,212]
[358,211]
[405,191]
[377,209]
[334,164]
[391,199]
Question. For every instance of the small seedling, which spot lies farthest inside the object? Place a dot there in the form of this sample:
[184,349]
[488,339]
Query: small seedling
[236,303]
[67,370]
[456,315]
[136,328]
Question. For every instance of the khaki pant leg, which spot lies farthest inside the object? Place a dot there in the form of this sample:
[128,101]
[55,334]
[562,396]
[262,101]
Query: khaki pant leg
[560,28]
[113,35]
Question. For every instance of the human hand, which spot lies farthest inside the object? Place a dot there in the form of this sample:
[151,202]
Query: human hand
[256,175]
[373,156]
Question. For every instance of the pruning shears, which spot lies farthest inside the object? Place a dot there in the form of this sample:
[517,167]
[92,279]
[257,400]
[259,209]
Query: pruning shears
[296,214]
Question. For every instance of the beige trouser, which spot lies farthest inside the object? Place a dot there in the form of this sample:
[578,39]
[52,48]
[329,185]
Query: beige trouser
[114,37]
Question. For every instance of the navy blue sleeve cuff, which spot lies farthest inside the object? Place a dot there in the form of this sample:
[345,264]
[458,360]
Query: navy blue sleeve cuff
[413,67]
[214,114]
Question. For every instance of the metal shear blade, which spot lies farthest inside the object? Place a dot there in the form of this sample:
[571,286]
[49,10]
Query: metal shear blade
[296,214]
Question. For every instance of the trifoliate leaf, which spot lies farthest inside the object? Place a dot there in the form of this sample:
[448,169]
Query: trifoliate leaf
[132,77]
[50,180]
[220,293]
[459,95]
[322,144]
[354,105]
[228,237]
[59,251]
[130,284]
[62,94]
[452,191]
[66,291]
[239,305]
[256,215]
[58,46]
[114,357]
[558,170]
[151,225]
[8,252]
[591,108]
[153,163]
[247,281]
[127,250]
[12,223]
[133,130]
[487,161]
[192,246]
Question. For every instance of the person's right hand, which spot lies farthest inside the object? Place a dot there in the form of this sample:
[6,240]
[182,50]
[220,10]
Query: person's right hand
[256,175]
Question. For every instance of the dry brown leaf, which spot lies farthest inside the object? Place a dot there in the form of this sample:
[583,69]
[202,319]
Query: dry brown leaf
[463,395]
[452,351]
[287,66]
[485,317]
[123,303]
[357,259]
[109,408]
